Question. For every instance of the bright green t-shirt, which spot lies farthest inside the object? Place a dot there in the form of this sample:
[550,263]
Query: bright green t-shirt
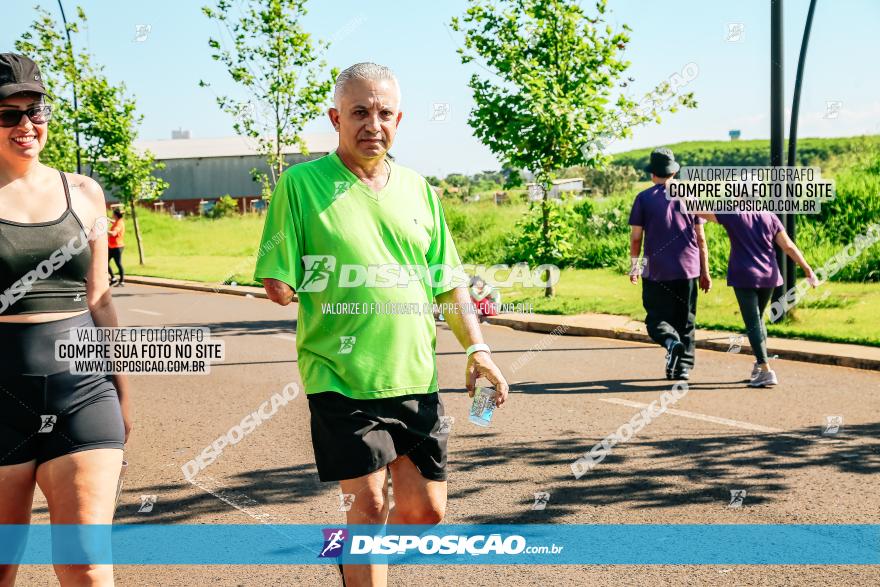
[324,231]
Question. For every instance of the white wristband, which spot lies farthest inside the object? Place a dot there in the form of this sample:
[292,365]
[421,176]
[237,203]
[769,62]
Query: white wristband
[477,347]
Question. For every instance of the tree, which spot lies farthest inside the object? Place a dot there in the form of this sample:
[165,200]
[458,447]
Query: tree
[548,102]
[273,59]
[106,118]
[458,180]
[47,45]
[131,174]
[512,177]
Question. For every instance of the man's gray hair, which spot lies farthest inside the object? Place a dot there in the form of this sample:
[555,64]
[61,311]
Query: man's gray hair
[363,71]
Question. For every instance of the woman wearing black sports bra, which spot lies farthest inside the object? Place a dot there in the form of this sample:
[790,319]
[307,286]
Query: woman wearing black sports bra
[62,431]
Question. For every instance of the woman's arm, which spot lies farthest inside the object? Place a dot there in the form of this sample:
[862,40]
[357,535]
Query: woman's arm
[787,245]
[705,278]
[710,216]
[98,285]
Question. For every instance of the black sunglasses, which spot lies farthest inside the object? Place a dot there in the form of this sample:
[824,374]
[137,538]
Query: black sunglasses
[37,115]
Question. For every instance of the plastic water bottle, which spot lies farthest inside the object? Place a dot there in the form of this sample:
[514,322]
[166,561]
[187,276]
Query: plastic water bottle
[483,406]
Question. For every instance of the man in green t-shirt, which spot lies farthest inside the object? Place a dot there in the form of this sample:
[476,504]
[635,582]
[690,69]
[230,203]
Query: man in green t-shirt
[364,244]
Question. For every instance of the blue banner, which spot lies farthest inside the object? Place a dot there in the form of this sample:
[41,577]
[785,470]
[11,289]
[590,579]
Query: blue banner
[295,544]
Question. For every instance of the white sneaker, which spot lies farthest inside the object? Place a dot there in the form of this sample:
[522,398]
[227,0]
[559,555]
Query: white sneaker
[755,370]
[764,379]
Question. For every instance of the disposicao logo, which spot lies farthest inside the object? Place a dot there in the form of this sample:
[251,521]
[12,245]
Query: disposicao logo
[318,270]
[334,542]
[449,544]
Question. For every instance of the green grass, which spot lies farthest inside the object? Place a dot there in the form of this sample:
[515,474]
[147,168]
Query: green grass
[197,249]
[835,312]
[221,251]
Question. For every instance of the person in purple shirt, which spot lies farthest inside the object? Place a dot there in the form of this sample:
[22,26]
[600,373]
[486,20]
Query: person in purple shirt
[753,273]
[675,258]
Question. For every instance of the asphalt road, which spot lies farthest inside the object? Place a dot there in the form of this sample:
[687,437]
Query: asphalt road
[679,469]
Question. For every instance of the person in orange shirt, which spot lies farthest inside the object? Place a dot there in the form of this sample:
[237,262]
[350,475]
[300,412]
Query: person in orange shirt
[115,244]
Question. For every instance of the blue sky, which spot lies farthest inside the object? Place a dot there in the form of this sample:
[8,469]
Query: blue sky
[413,38]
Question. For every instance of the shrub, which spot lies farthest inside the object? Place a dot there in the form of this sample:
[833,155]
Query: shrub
[527,244]
[225,206]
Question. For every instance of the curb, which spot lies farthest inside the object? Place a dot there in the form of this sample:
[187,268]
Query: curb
[859,357]
[238,290]
[824,353]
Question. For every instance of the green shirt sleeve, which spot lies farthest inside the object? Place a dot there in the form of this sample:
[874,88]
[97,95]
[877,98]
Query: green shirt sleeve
[442,252]
[280,255]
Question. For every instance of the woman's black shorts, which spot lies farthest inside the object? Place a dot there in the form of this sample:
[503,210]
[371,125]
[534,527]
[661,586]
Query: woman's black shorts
[354,437]
[45,411]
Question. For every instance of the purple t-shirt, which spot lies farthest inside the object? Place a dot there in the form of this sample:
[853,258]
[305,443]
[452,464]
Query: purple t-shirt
[752,256]
[671,250]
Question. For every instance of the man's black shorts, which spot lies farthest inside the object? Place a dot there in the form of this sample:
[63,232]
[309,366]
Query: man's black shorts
[354,437]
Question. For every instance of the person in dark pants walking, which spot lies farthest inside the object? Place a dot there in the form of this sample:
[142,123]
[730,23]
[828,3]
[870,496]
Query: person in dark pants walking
[753,273]
[115,245]
[675,258]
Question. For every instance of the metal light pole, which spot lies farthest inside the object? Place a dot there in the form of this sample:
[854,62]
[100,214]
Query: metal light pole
[777,118]
[73,82]
[790,226]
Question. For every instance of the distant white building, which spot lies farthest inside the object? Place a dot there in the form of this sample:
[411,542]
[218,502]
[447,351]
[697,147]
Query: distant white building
[573,186]
[203,170]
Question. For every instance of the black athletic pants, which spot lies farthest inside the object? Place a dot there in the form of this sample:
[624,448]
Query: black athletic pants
[116,255]
[672,312]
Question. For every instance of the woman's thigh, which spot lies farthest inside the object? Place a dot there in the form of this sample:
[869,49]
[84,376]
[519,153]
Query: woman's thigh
[17,492]
[80,487]
[16,500]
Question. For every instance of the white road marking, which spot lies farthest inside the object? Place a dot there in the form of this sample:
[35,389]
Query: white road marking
[696,416]
[150,312]
[261,514]
[285,337]
[253,512]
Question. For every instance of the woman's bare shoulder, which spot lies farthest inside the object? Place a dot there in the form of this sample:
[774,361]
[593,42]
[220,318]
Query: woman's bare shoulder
[87,198]
[87,186]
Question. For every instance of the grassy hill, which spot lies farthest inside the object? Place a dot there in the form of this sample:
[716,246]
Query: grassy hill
[816,152]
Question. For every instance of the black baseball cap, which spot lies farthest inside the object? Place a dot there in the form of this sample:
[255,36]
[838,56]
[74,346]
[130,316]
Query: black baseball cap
[19,74]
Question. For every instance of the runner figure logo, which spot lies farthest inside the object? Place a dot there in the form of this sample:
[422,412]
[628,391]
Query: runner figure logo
[340,189]
[346,500]
[638,266]
[833,424]
[147,503]
[541,499]
[536,192]
[594,147]
[141,32]
[346,344]
[47,423]
[832,109]
[334,542]
[735,32]
[318,270]
[445,424]
[439,112]
[737,497]
[736,342]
